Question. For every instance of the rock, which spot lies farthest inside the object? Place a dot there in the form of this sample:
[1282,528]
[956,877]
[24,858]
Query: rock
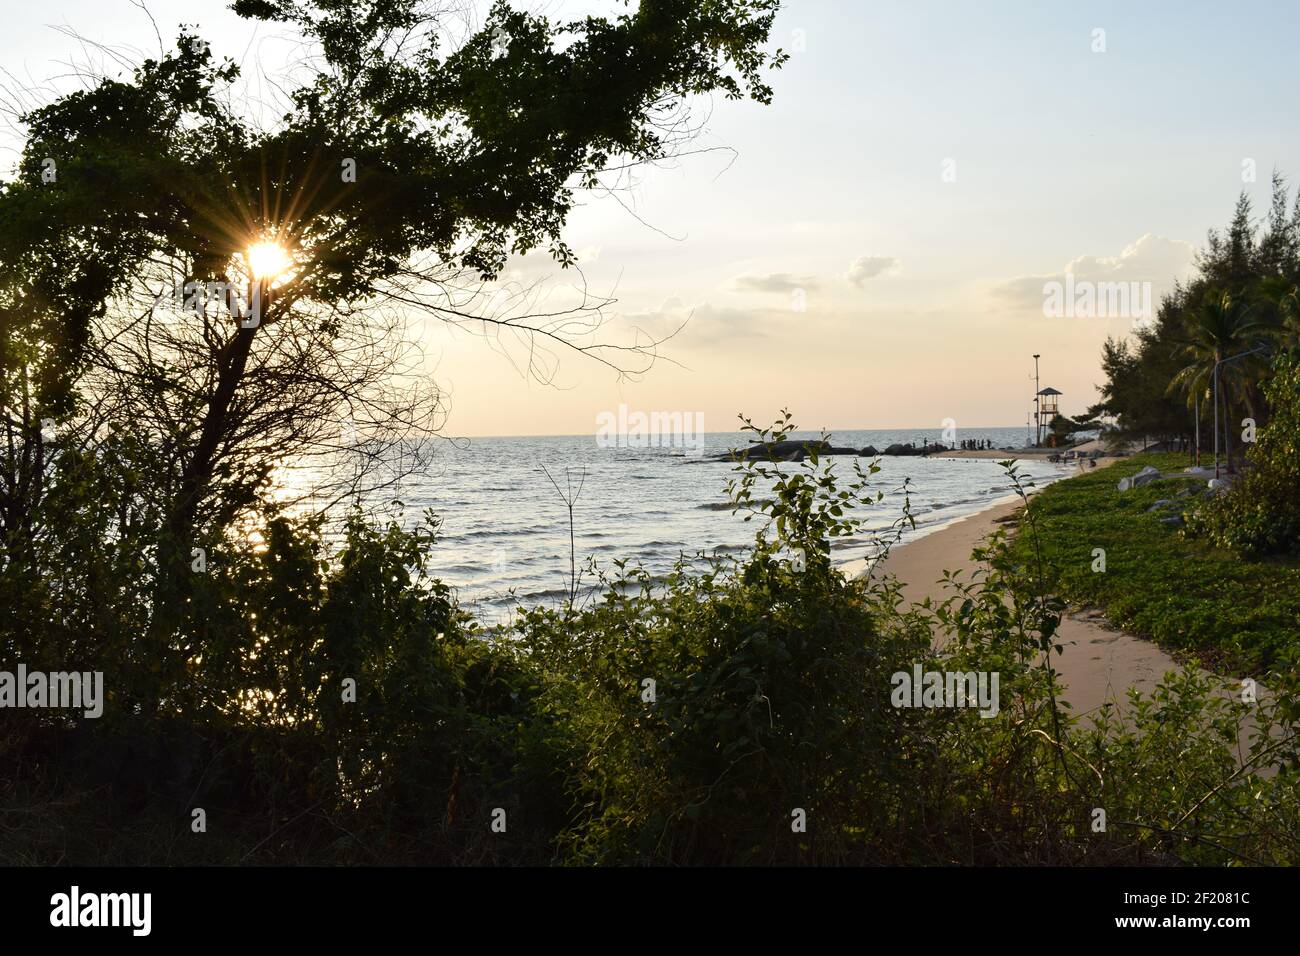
[1143,477]
[910,449]
[775,451]
[1174,521]
[1162,503]
[789,450]
[869,451]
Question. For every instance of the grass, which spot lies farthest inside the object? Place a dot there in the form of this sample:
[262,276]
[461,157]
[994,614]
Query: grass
[1231,613]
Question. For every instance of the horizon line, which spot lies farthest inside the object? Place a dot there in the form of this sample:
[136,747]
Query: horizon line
[829,431]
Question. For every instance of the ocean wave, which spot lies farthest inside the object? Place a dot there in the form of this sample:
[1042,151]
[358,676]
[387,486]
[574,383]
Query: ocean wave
[685,513]
[490,533]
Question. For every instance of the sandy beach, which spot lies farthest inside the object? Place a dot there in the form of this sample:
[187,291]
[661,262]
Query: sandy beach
[1039,454]
[1000,454]
[1099,663]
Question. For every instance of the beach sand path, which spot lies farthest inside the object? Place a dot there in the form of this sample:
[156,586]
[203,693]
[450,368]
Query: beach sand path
[1098,663]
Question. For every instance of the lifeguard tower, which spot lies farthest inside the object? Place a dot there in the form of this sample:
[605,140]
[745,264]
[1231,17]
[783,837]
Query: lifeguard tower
[1048,408]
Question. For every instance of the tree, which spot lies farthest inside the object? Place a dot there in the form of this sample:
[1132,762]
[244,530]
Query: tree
[1063,428]
[1261,512]
[1223,327]
[1137,374]
[1230,260]
[1278,253]
[399,180]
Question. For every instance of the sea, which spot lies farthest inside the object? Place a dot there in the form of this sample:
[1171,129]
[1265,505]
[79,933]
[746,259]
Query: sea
[505,534]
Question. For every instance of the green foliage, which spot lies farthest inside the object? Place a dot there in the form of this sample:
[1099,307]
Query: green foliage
[1261,512]
[772,694]
[1220,327]
[1184,593]
[474,154]
[1243,296]
[1138,372]
[769,694]
[1063,428]
[394,164]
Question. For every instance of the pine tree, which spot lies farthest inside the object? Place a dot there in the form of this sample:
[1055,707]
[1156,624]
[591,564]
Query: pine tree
[1278,246]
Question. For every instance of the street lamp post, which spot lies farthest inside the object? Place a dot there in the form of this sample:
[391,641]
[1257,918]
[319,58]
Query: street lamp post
[1197,442]
[1038,419]
[1225,361]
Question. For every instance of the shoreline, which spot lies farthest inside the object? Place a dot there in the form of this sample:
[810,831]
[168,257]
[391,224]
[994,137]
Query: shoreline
[1002,454]
[860,566]
[1098,663]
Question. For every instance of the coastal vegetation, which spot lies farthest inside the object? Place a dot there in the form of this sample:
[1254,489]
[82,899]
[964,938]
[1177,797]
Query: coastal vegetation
[1234,612]
[1211,573]
[285,682]
[1237,313]
[740,711]
[1260,515]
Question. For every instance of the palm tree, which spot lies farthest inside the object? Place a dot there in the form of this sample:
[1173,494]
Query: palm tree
[1222,327]
[1280,299]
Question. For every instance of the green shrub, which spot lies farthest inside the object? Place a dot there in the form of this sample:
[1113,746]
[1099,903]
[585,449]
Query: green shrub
[1231,612]
[699,716]
[1261,512]
[771,706]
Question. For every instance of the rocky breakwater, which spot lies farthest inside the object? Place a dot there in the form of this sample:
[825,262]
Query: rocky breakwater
[799,449]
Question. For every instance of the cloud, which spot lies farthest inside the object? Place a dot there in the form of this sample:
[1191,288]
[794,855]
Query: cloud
[704,323]
[868,267]
[1152,258]
[785,283]
[782,282]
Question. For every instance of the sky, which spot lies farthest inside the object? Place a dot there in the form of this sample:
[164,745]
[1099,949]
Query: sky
[870,250]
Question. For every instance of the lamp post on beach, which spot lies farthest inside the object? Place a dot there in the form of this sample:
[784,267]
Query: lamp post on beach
[1228,451]
[1197,426]
[1038,420]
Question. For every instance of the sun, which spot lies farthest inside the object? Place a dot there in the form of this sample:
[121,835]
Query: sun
[267,260]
